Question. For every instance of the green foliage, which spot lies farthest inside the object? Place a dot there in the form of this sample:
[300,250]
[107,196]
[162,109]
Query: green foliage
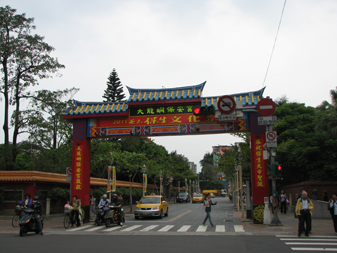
[114,91]
[306,152]
[59,194]
[211,185]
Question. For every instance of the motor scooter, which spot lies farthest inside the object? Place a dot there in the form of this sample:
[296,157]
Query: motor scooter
[111,215]
[100,215]
[28,222]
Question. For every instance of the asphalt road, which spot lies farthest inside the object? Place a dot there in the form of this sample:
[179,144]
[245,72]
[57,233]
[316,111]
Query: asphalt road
[134,243]
[182,231]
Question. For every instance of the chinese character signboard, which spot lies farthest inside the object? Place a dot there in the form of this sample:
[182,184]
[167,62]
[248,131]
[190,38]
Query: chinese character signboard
[79,167]
[259,169]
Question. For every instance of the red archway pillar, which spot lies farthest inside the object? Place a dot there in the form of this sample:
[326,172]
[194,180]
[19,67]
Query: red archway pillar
[80,184]
[260,186]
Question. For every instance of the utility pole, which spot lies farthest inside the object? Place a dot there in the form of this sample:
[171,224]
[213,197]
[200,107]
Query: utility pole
[275,221]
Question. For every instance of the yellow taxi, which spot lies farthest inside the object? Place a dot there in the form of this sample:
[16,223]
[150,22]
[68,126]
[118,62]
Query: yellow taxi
[197,197]
[151,206]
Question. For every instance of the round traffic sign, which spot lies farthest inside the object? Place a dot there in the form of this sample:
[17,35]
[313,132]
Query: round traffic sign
[226,104]
[266,107]
[68,171]
[271,136]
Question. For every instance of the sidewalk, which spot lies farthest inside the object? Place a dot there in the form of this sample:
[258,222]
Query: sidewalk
[290,225]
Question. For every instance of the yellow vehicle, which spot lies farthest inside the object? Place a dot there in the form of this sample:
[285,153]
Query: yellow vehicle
[151,206]
[197,197]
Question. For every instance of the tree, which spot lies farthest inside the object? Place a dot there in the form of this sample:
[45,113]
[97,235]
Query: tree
[207,167]
[13,29]
[44,121]
[305,152]
[131,164]
[25,59]
[114,91]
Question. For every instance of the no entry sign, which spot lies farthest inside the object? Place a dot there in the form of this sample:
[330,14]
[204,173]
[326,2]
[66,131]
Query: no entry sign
[226,104]
[266,107]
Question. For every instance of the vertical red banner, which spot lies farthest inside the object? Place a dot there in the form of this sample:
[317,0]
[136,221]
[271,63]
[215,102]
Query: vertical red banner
[80,184]
[260,185]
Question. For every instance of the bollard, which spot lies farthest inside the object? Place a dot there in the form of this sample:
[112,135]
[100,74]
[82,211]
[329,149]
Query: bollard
[266,214]
[47,206]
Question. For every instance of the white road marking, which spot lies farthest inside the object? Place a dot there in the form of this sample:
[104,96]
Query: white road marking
[112,229]
[131,228]
[166,228]
[183,228]
[149,228]
[220,228]
[92,229]
[238,228]
[202,228]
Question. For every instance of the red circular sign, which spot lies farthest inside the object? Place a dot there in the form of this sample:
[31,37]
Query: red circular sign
[266,107]
[226,104]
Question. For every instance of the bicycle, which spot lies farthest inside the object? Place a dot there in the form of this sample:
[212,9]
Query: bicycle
[17,216]
[68,219]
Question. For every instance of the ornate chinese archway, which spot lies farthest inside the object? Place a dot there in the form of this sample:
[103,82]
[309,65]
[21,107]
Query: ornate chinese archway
[165,112]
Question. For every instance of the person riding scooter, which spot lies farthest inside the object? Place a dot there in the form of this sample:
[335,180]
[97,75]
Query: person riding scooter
[37,206]
[27,202]
[104,203]
[117,205]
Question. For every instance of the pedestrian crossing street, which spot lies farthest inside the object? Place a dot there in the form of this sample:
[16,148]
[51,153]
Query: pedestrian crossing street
[161,228]
[311,243]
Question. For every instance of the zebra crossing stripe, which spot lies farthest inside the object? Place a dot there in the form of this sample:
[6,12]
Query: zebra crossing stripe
[220,228]
[315,249]
[79,228]
[149,228]
[112,229]
[166,228]
[311,243]
[238,228]
[202,228]
[131,228]
[92,229]
[183,228]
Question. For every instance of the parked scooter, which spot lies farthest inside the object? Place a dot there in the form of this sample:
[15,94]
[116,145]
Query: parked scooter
[111,215]
[28,222]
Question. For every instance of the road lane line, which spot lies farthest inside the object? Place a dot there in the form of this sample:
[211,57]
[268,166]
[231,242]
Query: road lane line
[166,228]
[149,228]
[179,216]
[202,228]
[183,228]
[220,228]
[238,228]
[131,228]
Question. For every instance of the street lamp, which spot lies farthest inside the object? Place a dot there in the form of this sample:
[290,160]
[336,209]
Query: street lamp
[144,170]
[185,184]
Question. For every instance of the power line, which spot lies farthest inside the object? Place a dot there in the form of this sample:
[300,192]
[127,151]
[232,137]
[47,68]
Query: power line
[272,51]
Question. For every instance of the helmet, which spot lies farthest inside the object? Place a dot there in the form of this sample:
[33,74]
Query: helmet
[114,195]
[36,198]
[105,196]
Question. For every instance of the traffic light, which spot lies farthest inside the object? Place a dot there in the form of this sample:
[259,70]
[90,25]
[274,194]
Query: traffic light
[279,171]
[204,110]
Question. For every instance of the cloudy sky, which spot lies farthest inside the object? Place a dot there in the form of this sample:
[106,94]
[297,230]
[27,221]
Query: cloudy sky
[173,43]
